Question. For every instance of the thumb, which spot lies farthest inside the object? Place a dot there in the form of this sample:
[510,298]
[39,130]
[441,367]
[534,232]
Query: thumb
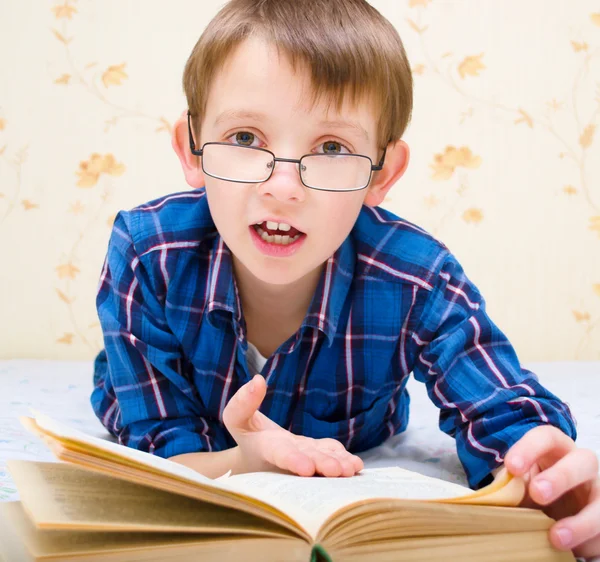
[244,404]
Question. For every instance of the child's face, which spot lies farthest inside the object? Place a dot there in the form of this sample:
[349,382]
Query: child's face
[254,80]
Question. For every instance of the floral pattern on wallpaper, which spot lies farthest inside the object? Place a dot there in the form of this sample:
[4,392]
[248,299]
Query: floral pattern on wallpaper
[451,175]
[92,172]
[455,73]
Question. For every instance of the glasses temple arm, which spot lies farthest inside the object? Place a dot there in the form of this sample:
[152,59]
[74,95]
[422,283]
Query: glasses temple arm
[192,143]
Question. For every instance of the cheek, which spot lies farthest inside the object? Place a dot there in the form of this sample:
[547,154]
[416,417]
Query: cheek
[224,204]
[340,214]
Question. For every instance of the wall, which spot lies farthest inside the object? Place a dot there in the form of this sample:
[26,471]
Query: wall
[505,155]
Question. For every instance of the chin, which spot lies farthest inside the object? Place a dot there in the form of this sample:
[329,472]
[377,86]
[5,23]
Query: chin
[281,274]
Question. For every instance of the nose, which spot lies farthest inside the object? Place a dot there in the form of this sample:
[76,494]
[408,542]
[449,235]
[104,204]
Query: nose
[284,184]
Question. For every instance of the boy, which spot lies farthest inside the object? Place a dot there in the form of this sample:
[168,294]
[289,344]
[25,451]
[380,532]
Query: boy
[280,262]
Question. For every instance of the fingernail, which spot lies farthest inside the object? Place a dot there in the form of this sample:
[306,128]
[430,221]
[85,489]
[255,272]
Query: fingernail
[251,386]
[545,488]
[565,536]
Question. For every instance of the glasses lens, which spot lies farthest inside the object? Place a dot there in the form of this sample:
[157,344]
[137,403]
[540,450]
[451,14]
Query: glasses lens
[236,163]
[336,171]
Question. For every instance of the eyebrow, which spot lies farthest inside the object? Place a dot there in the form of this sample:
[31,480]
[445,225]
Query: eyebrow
[258,116]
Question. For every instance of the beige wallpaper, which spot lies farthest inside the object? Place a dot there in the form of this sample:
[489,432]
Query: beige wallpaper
[505,155]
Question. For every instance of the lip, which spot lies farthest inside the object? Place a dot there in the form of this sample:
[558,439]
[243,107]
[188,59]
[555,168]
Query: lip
[275,250]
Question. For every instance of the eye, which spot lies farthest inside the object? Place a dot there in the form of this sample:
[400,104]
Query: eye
[334,147]
[243,138]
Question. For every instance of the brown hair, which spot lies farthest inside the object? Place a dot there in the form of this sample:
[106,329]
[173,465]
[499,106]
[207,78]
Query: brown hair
[347,45]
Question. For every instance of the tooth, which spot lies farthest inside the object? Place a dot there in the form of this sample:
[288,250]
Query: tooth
[269,239]
[285,239]
[277,238]
[272,225]
[284,227]
[264,236]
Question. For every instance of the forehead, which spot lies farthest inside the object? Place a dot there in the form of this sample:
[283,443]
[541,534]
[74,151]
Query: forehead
[259,82]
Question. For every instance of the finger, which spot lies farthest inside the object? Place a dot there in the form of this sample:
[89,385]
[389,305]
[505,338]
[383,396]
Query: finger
[328,444]
[576,531]
[576,468]
[325,464]
[353,463]
[243,404]
[287,457]
[589,550]
[358,463]
[541,441]
[346,462]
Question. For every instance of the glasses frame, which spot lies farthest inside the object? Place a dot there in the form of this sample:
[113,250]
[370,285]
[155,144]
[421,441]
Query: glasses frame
[199,152]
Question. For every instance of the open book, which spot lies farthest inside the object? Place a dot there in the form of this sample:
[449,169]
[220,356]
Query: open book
[112,503]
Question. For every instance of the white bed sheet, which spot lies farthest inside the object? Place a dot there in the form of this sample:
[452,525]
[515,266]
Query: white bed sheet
[62,389]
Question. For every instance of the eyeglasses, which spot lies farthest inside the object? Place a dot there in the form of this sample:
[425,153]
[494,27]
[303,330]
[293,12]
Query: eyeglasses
[249,164]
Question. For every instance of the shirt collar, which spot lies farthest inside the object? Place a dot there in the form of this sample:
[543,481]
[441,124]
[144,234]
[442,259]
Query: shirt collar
[332,291]
[222,293]
[325,308]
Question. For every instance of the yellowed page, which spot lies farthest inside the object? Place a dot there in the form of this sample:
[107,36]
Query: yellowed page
[502,547]
[310,501]
[57,495]
[20,541]
[127,464]
[165,466]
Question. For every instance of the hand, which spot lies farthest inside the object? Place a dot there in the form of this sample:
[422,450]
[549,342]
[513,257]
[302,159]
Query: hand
[266,446]
[563,481]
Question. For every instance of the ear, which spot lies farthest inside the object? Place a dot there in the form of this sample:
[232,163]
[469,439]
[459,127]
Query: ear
[396,161]
[180,141]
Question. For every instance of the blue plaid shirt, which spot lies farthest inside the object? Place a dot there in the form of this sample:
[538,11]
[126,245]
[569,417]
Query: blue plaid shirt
[392,300]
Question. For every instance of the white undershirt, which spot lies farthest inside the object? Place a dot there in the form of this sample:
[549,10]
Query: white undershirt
[255,360]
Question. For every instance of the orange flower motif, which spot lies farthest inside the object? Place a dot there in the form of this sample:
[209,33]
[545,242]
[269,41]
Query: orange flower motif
[113,75]
[581,316]
[66,338]
[596,288]
[89,171]
[413,3]
[64,79]
[28,205]
[67,271]
[587,137]
[431,201]
[595,224]
[418,69]
[2,124]
[64,11]
[76,208]
[579,46]
[445,164]
[471,66]
[595,19]
[473,216]
[569,190]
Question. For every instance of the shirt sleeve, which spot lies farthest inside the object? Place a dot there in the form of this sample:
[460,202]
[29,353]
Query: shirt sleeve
[141,394]
[487,401]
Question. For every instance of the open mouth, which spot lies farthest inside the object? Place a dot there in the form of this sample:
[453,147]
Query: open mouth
[277,233]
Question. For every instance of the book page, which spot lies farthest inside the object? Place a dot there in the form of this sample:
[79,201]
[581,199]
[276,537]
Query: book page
[310,501]
[20,541]
[57,495]
[307,501]
[166,466]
